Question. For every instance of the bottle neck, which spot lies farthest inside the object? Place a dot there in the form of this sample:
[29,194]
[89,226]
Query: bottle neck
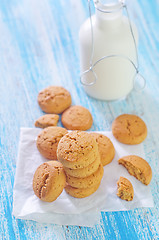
[109,16]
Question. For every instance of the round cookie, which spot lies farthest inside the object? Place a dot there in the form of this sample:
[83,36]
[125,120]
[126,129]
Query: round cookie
[87,182]
[83,172]
[106,148]
[125,189]
[49,181]
[81,192]
[137,167]
[47,120]
[77,118]
[77,149]
[129,129]
[54,99]
[47,141]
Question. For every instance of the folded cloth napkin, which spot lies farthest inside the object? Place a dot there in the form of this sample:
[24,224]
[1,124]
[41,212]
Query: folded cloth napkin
[67,210]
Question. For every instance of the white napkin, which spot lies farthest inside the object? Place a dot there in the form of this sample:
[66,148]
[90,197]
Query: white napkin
[67,210]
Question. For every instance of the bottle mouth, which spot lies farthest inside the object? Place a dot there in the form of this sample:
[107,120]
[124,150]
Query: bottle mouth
[108,6]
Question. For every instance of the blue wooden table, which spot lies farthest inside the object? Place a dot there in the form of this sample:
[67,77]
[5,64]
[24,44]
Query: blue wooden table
[39,47]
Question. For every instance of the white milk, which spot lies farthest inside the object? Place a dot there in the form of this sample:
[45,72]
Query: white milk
[112,35]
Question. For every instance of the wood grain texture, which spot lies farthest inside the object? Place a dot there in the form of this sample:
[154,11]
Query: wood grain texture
[39,47]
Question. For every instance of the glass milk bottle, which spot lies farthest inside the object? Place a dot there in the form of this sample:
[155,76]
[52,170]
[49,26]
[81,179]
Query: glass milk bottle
[109,34]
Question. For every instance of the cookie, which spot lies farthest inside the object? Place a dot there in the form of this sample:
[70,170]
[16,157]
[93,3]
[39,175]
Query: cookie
[87,182]
[83,172]
[106,148]
[77,118]
[47,121]
[129,129]
[54,99]
[47,141]
[49,181]
[81,192]
[77,149]
[137,167]
[125,189]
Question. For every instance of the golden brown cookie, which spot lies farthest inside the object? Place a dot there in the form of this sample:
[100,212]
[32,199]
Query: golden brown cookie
[77,149]
[137,167]
[77,118]
[81,192]
[47,120]
[49,181]
[129,129]
[87,182]
[125,189]
[106,148]
[47,141]
[84,172]
[54,99]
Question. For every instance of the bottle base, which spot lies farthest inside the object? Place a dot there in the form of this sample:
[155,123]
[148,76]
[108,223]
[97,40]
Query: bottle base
[122,97]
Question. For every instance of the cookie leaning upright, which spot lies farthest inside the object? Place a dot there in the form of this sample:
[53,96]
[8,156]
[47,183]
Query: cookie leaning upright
[49,181]
[77,118]
[129,129]
[47,141]
[54,99]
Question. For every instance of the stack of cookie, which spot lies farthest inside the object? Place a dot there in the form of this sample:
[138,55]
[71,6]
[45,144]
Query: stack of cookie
[78,152]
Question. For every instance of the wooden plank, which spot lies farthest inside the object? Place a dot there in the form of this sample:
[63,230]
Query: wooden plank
[39,47]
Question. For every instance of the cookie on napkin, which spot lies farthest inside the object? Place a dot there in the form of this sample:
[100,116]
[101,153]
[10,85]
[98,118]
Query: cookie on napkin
[137,167]
[47,141]
[125,189]
[106,148]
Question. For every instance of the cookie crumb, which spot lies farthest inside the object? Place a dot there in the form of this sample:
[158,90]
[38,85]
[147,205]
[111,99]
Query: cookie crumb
[125,189]
[47,120]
